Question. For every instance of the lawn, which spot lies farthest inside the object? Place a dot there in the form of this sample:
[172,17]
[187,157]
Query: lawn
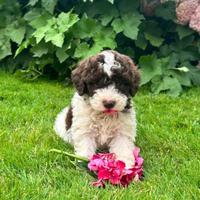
[168,135]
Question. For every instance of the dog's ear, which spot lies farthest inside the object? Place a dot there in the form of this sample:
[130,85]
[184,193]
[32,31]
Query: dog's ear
[77,77]
[135,78]
[131,73]
[87,71]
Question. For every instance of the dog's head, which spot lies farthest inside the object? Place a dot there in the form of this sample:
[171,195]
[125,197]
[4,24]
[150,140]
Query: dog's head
[109,79]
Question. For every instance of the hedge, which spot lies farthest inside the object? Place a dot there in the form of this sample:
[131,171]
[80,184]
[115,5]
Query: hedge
[49,37]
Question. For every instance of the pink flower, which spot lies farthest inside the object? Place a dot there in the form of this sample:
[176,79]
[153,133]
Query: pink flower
[95,164]
[108,169]
[195,20]
[185,9]
[139,160]
[100,160]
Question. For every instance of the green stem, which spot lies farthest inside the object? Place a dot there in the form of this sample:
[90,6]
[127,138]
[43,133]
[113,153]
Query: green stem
[69,154]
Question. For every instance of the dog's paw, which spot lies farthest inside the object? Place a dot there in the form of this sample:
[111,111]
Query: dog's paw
[130,163]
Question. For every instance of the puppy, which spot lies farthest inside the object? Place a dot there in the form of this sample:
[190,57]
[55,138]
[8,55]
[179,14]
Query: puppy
[101,114]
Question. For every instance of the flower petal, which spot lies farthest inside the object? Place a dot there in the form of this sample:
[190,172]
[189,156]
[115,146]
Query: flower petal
[114,180]
[98,183]
[120,164]
[103,174]
[136,152]
[139,161]
[95,164]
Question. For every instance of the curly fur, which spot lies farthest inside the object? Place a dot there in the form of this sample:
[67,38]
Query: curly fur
[108,76]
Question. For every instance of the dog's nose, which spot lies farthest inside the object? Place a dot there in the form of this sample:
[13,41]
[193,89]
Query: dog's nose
[109,103]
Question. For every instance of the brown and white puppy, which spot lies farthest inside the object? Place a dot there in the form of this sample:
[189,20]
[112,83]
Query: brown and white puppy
[101,113]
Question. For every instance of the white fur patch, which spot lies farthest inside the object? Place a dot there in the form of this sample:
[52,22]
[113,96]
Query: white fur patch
[109,62]
[60,126]
[108,93]
[92,129]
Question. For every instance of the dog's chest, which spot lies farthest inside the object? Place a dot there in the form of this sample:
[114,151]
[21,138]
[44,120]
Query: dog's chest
[104,128]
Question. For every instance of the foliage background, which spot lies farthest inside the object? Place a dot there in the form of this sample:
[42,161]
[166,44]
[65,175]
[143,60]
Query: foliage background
[48,37]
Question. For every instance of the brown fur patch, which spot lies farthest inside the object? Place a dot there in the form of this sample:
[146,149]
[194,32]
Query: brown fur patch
[68,119]
[128,77]
[89,76]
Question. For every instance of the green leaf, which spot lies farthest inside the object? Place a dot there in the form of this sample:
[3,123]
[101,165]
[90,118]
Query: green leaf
[17,35]
[61,53]
[66,20]
[117,25]
[182,77]
[23,46]
[41,32]
[141,42]
[32,2]
[150,67]
[82,50]
[189,53]
[183,31]
[86,28]
[87,0]
[39,20]
[98,8]
[166,10]
[130,23]
[167,63]
[111,1]
[5,49]
[194,75]
[164,50]
[105,38]
[173,60]
[153,33]
[105,18]
[154,40]
[40,49]
[198,46]
[55,37]
[32,14]
[179,45]
[49,5]
[55,27]
[128,6]
[170,84]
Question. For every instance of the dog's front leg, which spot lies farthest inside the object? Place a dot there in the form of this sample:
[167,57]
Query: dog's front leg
[85,145]
[123,147]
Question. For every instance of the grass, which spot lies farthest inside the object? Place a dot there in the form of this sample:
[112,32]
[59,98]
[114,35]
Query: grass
[168,135]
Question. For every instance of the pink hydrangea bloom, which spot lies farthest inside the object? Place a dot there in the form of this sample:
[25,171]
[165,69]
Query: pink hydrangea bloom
[195,20]
[108,169]
[185,10]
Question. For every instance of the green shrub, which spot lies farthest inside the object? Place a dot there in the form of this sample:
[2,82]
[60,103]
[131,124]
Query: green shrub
[40,37]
